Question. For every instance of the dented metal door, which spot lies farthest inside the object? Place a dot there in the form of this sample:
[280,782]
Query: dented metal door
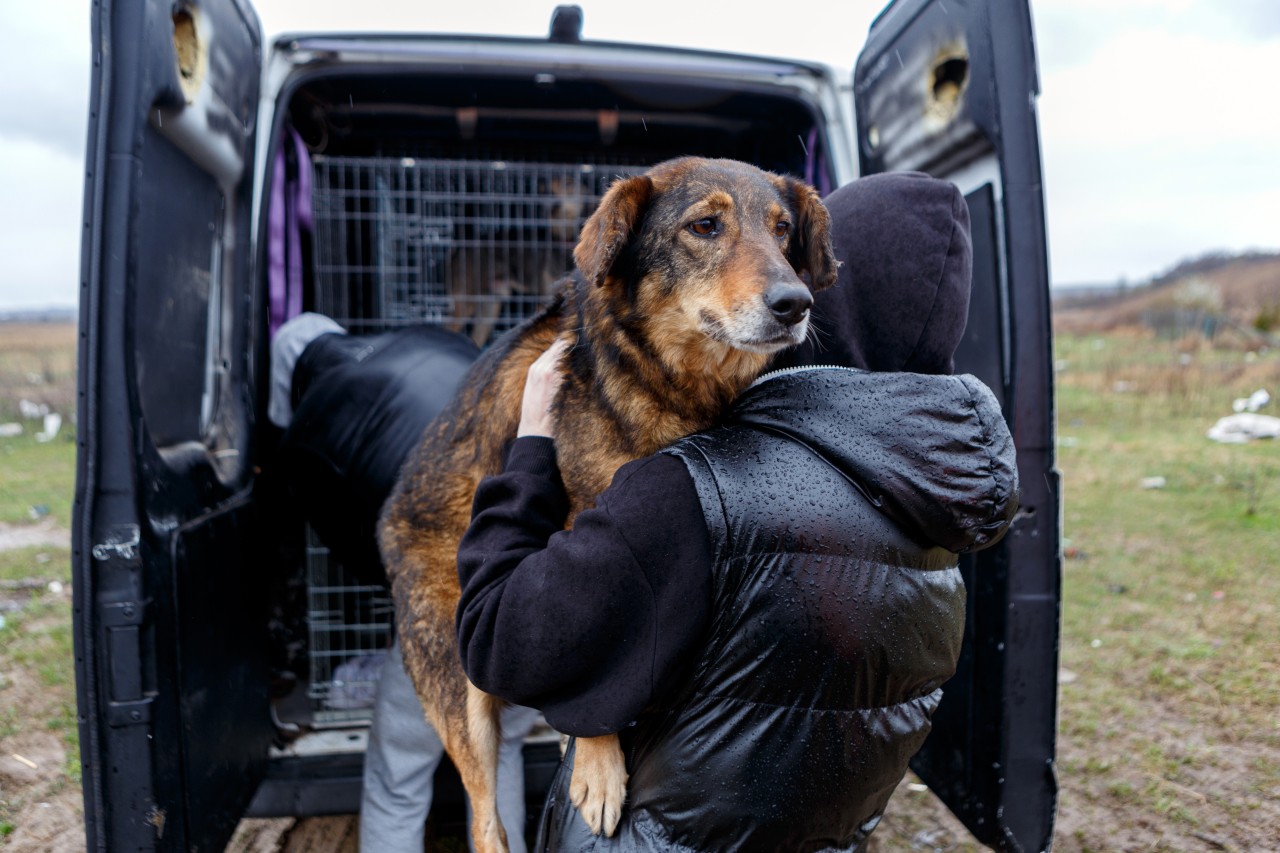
[174,722]
[948,87]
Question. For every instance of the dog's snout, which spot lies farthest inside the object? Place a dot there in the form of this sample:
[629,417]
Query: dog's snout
[788,302]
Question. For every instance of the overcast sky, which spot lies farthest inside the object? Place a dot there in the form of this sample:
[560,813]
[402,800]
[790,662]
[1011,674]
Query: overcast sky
[1159,119]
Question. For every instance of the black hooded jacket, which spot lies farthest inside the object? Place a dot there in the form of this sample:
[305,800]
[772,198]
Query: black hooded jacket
[766,611]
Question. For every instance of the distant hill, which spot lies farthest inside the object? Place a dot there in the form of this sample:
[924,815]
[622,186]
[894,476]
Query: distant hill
[1211,291]
[57,314]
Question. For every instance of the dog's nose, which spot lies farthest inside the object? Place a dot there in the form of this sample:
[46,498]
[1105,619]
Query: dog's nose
[788,302]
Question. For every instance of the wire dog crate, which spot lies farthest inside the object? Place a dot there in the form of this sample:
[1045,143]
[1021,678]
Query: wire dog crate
[349,628]
[472,245]
[475,246]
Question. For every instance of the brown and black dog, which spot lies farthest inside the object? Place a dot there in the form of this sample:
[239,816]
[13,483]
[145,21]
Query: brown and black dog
[690,277]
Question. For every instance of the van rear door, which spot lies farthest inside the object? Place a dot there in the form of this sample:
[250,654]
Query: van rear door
[948,87]
[169,637]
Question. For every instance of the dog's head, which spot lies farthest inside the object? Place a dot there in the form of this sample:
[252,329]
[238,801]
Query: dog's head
[713,248]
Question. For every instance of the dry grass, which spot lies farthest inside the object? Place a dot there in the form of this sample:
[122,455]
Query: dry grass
[37,363]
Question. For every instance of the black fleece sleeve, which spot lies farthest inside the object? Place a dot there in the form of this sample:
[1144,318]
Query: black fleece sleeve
[590,625]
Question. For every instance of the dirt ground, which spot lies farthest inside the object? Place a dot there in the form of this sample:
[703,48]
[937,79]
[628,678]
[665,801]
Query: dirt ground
[49,813]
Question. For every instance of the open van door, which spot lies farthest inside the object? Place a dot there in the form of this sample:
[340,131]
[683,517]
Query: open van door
[948,87]
[171,682]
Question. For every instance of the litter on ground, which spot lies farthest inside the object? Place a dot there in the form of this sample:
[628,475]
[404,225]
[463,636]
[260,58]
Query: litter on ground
[1244,427]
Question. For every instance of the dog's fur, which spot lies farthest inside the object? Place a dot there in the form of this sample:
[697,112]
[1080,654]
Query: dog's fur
[666,326]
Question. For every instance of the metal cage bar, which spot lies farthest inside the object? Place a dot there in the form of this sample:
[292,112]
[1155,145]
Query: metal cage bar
[473,245]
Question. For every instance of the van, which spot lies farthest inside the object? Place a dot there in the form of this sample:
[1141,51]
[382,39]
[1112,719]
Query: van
[219,647]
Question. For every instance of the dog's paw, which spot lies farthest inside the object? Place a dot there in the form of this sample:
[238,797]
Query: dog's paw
[598,786]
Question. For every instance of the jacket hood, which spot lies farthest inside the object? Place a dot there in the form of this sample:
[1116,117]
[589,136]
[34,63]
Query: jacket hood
[931,452]
[901,298]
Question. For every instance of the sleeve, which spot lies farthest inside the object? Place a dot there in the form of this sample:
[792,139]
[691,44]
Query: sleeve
[590,625]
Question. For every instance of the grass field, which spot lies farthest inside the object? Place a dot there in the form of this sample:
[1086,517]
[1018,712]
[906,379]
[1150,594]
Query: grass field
[39,752]
[1170,689]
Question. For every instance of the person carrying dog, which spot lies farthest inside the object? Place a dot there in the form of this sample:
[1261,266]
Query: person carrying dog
[353,407]
[766,611]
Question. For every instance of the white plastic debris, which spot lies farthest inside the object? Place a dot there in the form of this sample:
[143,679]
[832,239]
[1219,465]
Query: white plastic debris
[355,682]
[9,430]
[1153,482]
[1255,401]
[52,423]
[1244,427]
[31,410]
[55,587]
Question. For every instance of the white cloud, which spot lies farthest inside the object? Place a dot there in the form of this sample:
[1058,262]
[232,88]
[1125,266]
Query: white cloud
[39,225]
[1158,117]
[1159,147]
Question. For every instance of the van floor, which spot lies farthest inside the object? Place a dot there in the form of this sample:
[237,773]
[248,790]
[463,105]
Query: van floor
[331,834]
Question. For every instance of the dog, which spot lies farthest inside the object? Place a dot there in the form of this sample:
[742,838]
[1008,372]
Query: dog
[689,278]
[526,260]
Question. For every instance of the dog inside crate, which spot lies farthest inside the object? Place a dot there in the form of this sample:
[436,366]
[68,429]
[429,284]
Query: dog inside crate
[475,246]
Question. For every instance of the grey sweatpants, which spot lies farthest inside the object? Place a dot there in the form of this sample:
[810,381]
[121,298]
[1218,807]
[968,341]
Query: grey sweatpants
[401,761]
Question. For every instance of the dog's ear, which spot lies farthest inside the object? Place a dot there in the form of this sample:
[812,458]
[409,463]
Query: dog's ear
[810,249]
[607,230]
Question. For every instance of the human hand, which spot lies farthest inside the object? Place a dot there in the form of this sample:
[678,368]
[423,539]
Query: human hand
[540,388]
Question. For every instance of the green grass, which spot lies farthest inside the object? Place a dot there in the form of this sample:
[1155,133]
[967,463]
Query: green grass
[38,640]
[1171,596]
[37,474]
[38,562]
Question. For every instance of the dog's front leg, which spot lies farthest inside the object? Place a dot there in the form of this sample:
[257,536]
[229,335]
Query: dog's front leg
[598,786]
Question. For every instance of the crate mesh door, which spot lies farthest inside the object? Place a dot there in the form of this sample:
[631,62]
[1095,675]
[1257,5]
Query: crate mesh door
[349,631]
[475,246]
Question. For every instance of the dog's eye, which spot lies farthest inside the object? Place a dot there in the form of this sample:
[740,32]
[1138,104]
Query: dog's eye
[782,229]
[707,227]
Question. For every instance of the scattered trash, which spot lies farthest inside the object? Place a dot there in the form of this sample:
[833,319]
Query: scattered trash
[1073,553]
[1244,427]
[1066,676]
[55,587]
[916,787]
[1095,643]
[23,760]
[38,511]
[1257,400]
[52,423]
[1154,482]
[31,410]
[1218,595]
[1067,441]
[9,430]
